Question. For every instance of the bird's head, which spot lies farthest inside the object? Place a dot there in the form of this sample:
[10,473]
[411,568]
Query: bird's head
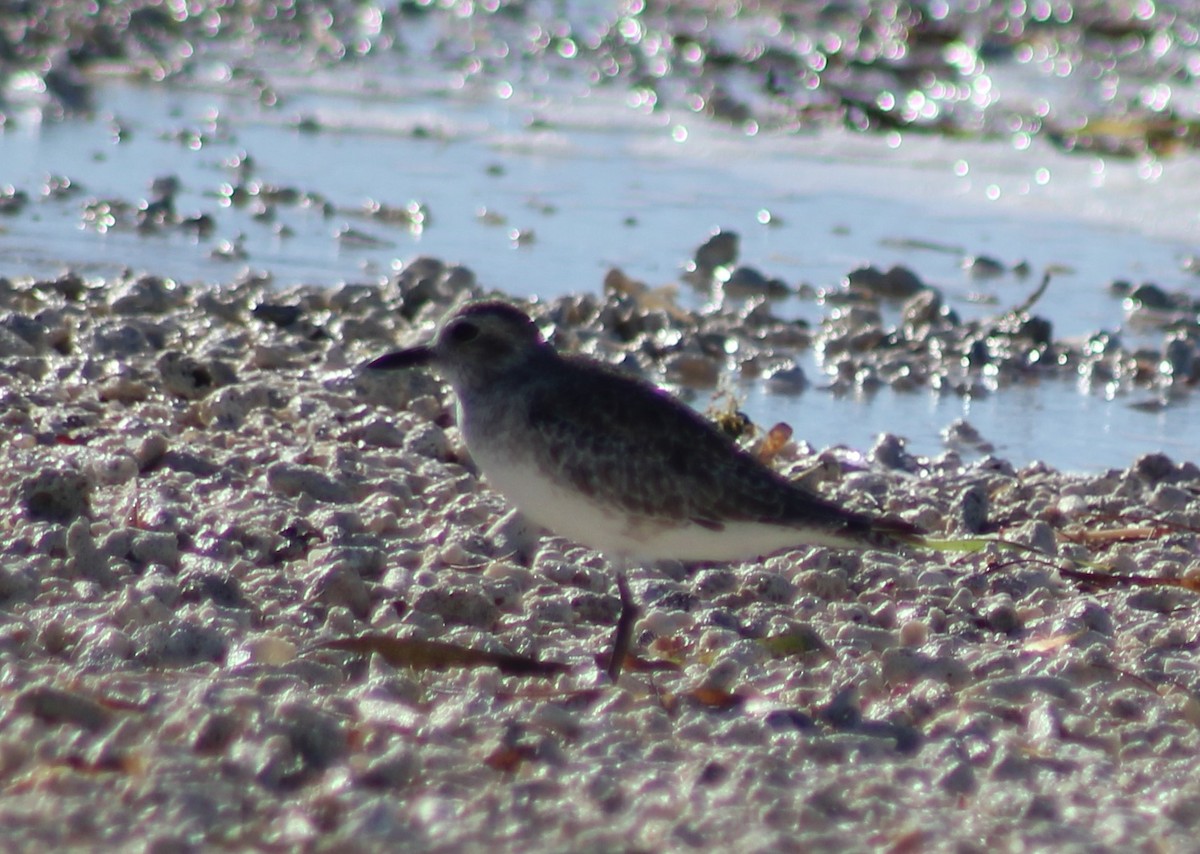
[475,345]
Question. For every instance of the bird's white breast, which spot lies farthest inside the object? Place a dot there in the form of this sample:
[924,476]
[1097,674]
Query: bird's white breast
[578,517]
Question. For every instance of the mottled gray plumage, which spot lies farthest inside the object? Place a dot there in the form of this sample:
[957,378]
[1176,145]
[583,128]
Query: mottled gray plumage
[662,460]
[649,462]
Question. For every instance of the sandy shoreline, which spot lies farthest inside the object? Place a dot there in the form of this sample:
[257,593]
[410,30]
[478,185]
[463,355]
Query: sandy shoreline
[202,490]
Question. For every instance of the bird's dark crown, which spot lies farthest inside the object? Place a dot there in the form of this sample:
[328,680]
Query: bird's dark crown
[493,320]
[482,340]
[494,308]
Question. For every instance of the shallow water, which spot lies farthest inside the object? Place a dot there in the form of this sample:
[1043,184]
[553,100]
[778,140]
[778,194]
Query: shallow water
[592,183]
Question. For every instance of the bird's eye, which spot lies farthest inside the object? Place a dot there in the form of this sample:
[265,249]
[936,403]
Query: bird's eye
[461,333]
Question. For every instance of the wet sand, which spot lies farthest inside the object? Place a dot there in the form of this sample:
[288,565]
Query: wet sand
[203,492]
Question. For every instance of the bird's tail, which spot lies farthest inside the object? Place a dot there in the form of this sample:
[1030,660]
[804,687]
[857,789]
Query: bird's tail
[890,532]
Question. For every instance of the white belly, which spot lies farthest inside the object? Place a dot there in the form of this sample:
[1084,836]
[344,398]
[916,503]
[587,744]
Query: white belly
[575,516]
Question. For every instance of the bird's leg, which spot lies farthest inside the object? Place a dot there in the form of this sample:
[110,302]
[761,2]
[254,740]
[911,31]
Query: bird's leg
[624,633]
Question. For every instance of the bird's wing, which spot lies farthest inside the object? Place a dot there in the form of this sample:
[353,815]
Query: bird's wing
[660,458]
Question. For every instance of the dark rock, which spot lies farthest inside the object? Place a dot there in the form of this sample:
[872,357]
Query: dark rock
[52,495]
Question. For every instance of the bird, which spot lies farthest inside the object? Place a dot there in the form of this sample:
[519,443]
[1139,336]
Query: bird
[615,463]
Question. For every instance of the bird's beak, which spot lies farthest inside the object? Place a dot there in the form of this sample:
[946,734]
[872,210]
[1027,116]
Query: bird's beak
[413,357]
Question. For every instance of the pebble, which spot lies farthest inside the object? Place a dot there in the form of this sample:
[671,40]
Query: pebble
[292,479]
[56,495]
[961,433]
[392,770]
[1072,506]
[382,433]
[160,584]
[914,633]
[187,377]
[1037,535]
[148,295]
[228,408]
[902,665]
[1001,615]
[720,250]
[1023,688]
[1154,468]
[85,560]
[596,608]
[664,624]
[787,380]
[1158,600]
[156,547]
[974,503]
[889,452]
[426,440]
[959,780]
[748,282]
[692,370]
[1167,497]
[896,283]
[111,469]
[221,590]
[215,732]
[983,267]
[460,606]
[59,706]
[178,644]
[340,586]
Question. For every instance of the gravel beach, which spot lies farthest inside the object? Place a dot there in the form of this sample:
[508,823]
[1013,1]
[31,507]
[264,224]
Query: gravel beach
[204,495]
